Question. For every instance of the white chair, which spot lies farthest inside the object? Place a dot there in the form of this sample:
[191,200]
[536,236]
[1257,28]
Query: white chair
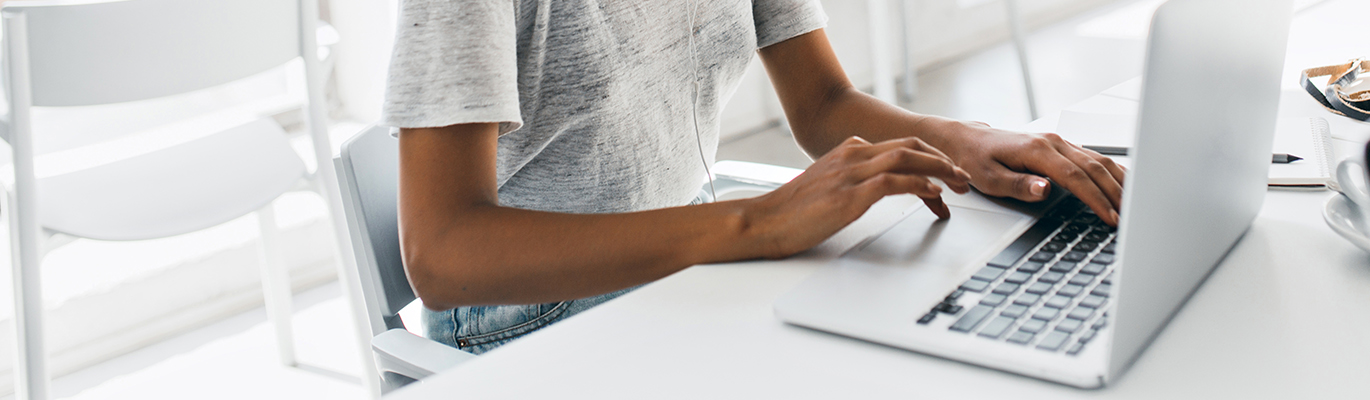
[110,186]
[368,170]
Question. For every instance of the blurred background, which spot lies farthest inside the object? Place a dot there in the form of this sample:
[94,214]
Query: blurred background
[162,318]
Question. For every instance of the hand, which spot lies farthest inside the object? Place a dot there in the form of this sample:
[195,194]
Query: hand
[839,187]
[1010,164]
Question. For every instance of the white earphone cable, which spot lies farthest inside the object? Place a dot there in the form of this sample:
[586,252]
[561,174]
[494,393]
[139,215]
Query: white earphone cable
[694,101]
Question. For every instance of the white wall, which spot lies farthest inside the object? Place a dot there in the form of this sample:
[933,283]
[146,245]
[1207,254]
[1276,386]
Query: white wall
[942,30]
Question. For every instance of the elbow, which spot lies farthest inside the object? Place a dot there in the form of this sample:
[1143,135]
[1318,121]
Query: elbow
[434,279]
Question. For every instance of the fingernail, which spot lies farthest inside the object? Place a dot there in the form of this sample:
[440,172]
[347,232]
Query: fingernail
[1115,216]
[1039,188]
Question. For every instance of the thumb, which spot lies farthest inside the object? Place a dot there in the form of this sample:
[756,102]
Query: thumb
[1021,186]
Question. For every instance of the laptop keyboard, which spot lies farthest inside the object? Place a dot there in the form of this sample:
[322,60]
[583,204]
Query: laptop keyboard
[1047,290]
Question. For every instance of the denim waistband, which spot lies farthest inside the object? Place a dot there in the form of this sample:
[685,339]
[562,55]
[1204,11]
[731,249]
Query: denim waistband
[479,329]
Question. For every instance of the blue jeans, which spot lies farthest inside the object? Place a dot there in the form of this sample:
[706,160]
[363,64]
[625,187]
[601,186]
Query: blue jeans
[480,329]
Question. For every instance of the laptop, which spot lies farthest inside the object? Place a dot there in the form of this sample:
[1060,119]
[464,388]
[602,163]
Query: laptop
[1045,289]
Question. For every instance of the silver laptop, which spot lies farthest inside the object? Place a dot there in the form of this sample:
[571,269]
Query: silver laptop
[1048,291]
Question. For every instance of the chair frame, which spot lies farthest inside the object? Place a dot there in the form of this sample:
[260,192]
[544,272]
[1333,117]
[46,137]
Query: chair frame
[28,235]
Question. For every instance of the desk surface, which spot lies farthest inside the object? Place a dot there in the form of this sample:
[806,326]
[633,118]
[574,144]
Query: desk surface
[1286,315]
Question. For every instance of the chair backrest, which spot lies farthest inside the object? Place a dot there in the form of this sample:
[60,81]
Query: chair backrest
[368,171]
[98,52]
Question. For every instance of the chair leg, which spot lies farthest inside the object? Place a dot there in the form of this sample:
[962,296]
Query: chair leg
[1015,25]
[276,285]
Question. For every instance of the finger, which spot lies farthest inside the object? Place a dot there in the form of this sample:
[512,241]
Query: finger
[937,206]
[1119,173]
[1057,167]
[885,184]
[908,161]
[1003,182]
[916,144]
[912,143]
[1102,177]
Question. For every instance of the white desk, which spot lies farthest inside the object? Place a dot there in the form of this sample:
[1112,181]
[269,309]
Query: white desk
[1286,315]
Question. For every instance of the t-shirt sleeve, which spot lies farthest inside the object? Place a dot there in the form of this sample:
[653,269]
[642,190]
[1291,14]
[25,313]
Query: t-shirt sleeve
[454,62]
[780,20]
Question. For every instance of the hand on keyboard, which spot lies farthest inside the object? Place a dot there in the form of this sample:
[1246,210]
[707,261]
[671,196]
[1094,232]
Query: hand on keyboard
[1011,164]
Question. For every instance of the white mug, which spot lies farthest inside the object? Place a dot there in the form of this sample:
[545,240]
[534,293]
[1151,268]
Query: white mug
[1355,184]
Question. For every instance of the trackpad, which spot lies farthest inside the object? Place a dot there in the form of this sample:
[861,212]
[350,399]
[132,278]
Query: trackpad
[922,240]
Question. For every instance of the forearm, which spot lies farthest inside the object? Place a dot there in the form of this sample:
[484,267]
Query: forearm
[500,255]
[824,109]
[849,112]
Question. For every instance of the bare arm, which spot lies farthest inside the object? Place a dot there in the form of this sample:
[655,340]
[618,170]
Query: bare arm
[824,108]
[461,248]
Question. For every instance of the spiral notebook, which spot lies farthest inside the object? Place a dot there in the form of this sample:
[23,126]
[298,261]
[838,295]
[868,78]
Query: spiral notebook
[1308,138]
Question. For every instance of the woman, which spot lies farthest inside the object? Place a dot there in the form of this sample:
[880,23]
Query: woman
[550,150]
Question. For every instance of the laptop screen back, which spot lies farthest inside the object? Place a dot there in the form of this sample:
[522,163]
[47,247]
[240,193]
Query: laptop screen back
[1202,155]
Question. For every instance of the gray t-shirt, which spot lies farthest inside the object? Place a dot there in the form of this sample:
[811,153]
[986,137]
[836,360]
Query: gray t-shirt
[593,97]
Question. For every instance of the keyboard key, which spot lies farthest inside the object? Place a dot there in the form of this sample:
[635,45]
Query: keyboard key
[1088,336]
[1027,299]
[1018,277]
[1100,324]
[1093,301]
[1082,279]
[1070,290]
[1081,313]
[1074,256]
[1093,269]
[1046,313]
[1058,302]
[1089,219]
[1024,243]
[1069,325]
[1033,326]
[955,294]
[1051,277]
[1031,267]
[1075,349]
[1063,266]
[1085,246]
[975,286]
[993,300]
[1053,341]
[1042,256]
[1109,278]
[948,308]
[1054,247]
[972,319]
[996,328]
[1075,228]
[1006,288]
[1014,311]
[1096,237]
[1103,258]
[1040,287]
[927,318]
[988,273]
[1110,248]
[1020,337]
[1064,237]
[1102,290]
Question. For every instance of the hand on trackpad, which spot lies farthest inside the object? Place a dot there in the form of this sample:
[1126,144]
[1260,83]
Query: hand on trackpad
[921,239]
